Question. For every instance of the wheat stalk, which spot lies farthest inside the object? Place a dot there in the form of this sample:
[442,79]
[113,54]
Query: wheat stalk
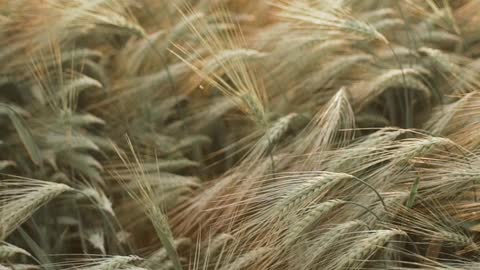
[98,198]
[330,237]
[20,198]
[157,258]
[110,263]
[360,252]
[7,251]
[408,78]
[312,216]
[332,22]
[247,259]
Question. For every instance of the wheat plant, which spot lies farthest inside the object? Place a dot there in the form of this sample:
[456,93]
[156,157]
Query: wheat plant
[239,134]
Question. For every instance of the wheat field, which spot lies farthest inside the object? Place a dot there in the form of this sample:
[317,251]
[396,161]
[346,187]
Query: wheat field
[239,134]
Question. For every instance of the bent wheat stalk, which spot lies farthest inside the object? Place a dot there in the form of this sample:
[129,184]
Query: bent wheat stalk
[20,198]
